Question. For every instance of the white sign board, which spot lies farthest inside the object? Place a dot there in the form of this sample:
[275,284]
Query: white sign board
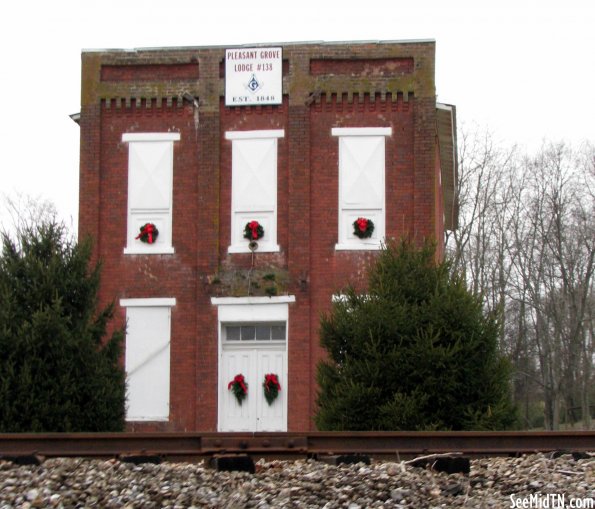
[253,76]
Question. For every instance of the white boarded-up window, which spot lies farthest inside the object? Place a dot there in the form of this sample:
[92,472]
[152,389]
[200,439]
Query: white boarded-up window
[147,360]
[150,183]
[361,184]
[254,187]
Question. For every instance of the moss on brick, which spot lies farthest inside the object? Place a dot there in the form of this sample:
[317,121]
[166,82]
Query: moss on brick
[267,281]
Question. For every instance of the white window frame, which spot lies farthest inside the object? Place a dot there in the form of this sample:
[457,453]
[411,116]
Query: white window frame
[346,241]
[239,218]
[252,309]
[166,303]
[254,341]
[139,216]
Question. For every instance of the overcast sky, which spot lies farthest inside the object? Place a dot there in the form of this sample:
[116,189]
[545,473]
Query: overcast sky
[524,69]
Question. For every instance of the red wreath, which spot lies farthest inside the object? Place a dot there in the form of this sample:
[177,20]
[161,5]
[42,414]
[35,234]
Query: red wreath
[148,233]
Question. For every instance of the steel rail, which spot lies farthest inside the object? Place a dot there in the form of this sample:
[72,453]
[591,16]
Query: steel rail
[188,445]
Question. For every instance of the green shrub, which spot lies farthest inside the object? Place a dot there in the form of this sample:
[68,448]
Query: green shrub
[416,352]
[57,370]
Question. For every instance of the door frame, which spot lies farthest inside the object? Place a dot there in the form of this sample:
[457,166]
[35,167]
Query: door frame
[250,310]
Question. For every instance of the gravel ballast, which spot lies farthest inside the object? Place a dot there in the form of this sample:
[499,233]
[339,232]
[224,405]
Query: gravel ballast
[493,482]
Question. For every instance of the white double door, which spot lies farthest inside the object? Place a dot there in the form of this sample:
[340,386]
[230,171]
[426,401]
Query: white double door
[254,362]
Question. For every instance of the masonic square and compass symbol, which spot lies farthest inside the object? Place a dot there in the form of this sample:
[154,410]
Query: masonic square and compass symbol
[254,85]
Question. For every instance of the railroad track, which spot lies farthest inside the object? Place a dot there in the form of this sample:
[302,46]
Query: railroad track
[193,445]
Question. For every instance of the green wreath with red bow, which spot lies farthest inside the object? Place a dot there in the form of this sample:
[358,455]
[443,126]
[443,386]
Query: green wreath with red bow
[363,228]
[148,233]
[238,387]
[271,387]
[253,231]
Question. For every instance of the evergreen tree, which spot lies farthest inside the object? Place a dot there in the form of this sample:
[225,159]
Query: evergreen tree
[56,371]
[416,352]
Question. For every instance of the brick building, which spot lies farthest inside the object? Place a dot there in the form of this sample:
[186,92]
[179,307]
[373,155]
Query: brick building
[200,142]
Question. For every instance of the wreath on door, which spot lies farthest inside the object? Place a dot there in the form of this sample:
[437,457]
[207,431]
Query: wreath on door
[238,387]
[271,387]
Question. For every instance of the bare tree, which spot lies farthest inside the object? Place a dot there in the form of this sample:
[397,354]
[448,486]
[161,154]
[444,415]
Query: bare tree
[483,192]
[22,211]
[527,245]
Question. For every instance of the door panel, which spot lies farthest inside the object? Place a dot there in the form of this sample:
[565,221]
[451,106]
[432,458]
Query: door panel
[233,416]
[271,417]
[255,414]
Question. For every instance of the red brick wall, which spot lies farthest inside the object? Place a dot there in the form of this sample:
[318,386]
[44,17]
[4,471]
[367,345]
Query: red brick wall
[194,322]
[307,205]
[299,255]
[289,209]
[362,66]
[333,270]
[137,276]
[253,119]
[150,72]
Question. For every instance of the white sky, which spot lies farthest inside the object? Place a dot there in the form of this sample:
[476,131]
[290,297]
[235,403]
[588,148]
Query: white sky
[524,69]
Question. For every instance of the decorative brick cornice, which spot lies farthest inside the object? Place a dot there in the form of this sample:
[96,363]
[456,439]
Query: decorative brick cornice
[387,69]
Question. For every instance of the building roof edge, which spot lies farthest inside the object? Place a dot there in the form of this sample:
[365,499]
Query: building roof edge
[255,44]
